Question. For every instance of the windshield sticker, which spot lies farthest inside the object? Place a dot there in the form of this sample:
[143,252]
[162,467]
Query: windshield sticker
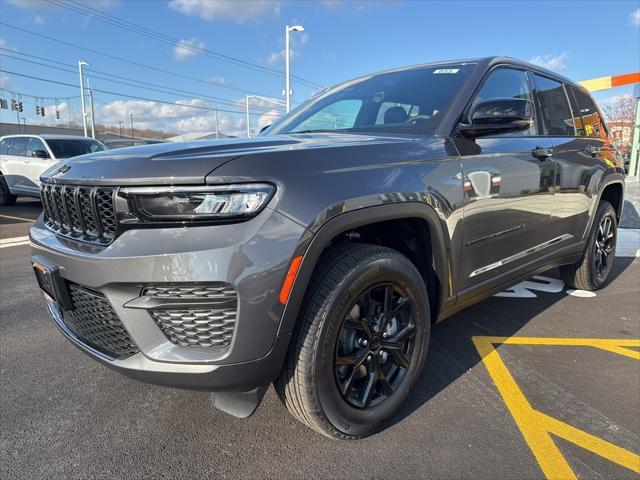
[446,70]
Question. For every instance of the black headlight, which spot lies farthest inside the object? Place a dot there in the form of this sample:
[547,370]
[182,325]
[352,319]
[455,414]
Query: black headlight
[197,204]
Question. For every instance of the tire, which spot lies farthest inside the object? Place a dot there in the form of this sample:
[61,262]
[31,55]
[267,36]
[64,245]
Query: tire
[587,273]
[6,198]
[347,279]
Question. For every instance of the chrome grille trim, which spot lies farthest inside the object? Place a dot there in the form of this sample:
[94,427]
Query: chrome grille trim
[80,212]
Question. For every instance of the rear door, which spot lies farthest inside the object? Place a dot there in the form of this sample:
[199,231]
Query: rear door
[581,148]
[508,190]
[14,165]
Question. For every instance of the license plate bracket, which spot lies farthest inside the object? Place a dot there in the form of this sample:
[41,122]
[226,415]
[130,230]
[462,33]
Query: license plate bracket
[51,283]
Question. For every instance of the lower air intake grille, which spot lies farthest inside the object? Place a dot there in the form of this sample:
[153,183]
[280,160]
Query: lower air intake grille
[197,327]
[95,323]
[206,321]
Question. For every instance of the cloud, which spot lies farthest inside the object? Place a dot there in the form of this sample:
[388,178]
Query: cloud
[187,49]
[635,17]
[37,20]
[552,61]
[219,80]
[239,10]
[298,40]
[4,80]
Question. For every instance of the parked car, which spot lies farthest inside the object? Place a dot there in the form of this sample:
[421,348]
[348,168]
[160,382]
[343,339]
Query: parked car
[113,143]
[23,158]
[318,255]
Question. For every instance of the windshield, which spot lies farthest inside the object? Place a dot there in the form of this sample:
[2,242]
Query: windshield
[406,101]
[66,148]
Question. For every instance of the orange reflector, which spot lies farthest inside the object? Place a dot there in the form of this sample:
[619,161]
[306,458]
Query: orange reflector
[288,282]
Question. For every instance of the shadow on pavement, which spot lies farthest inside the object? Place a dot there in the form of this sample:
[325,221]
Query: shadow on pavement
[451,351]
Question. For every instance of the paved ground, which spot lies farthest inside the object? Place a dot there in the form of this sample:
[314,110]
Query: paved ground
[64,416]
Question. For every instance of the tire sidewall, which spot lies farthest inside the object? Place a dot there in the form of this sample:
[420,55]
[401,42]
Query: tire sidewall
[387,269]
[605,210]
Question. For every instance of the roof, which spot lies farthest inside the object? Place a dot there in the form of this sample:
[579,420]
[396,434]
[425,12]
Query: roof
[49,136]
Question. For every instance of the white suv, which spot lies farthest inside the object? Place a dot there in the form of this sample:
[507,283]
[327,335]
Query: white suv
[23,158]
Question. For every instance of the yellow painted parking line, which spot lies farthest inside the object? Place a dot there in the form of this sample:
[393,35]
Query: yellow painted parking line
[17,218]
[535,426]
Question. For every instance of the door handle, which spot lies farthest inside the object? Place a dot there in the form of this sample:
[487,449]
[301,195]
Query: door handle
[542,153]
[592,150]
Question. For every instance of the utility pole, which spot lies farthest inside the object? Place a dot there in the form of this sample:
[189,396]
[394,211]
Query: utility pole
[131,119]
[248,131]
[93,117]
[287,61]
[217,125]
[120,127]
[81,63]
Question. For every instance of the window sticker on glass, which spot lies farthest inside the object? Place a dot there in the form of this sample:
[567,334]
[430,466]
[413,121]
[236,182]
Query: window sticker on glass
[446,70]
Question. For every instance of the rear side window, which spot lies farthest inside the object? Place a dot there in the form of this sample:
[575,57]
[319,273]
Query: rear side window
[585,114]
[19,147]
[33,145]
[554,107]
[506,83]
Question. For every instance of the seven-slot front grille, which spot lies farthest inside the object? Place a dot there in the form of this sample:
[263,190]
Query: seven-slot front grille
[84,213]
[207,322]
[95,323]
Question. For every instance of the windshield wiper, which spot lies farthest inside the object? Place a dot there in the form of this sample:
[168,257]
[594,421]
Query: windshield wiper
[315,131]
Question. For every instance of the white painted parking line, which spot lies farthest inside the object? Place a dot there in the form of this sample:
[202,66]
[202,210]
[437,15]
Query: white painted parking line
[628,244]
[14,242]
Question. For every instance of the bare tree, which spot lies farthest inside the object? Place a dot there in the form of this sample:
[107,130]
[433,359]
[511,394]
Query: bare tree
[623,109]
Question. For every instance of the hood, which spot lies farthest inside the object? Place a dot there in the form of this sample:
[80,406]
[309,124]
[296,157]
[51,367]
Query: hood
[191,162]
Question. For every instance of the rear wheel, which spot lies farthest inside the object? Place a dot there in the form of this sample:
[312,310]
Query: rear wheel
[360,343]
[592,271]
[6,198]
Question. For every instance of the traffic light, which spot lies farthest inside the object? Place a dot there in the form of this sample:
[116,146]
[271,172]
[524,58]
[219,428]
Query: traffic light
[37,109]
[42,111]
[13,105]
[20,106]
[57,114]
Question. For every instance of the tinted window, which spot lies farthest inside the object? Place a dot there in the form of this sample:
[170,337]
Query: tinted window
[356,105]
[34,144]
[73,147]
[554,108]
[506,83]
[4,146]
[586,115]
[19,147]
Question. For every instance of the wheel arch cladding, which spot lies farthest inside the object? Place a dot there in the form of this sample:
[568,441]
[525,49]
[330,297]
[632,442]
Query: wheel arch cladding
[613,193]
[358,221]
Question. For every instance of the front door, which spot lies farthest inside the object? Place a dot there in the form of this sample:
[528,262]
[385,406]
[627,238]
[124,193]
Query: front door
[36,165]
[508,191]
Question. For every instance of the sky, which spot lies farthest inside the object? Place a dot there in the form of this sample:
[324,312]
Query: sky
[177,60]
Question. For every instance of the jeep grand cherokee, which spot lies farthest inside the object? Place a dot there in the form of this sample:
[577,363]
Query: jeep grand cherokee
[318,255]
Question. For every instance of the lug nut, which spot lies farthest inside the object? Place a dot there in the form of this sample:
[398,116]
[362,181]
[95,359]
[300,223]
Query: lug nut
[369,358]
[365,343]
[384,334]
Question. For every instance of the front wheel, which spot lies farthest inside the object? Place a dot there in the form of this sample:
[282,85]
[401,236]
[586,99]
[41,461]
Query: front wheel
[360,343]
[6,198]
[592,271]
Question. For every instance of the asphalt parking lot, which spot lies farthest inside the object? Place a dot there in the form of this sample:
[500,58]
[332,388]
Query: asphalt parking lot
[533,383]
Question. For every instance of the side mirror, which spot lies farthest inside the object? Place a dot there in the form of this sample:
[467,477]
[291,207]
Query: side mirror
[39,154]
[499,115]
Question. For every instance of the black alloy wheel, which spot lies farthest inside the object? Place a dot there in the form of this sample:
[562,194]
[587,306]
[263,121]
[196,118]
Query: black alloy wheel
[375,346]
[604,247]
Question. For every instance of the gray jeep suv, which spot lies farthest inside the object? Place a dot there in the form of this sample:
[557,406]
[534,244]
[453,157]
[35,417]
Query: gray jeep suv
[318,255]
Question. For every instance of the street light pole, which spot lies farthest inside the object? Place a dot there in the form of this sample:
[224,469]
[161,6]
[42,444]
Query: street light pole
[81,63]
[247,102]
[131,118]
[266,99]
[217,125]
[93,117]
[287,62]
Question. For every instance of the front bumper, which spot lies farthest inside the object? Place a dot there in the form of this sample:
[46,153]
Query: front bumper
[252,256]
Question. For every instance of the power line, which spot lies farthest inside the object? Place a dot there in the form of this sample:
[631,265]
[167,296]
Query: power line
[149,85]
[124,60]
[150,33]
[119,94]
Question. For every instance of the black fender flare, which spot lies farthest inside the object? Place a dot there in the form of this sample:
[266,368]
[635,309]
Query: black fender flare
[312,248]
[610,179]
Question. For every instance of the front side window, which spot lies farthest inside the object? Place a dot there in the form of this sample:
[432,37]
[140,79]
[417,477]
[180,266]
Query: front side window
[585,114]
[18,147]
[554,108]
[73,147]
[411,101]
[506,83]
[34,144]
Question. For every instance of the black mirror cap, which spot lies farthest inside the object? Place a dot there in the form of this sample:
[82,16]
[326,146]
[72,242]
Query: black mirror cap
[499,115]
[39,154]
